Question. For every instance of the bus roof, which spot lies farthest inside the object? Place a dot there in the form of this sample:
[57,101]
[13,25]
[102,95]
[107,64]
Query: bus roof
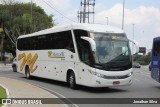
[82,26]
[157,38]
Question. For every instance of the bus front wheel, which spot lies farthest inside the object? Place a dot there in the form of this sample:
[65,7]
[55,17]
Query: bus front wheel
[14,68]
[72,80]
[27,72]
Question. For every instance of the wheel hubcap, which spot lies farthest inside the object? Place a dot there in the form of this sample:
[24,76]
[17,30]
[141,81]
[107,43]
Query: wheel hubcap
[71,80]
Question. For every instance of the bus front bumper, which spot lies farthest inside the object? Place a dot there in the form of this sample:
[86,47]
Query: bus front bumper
[101,82]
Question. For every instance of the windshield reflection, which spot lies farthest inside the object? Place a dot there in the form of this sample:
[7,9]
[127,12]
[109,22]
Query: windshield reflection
[112,49]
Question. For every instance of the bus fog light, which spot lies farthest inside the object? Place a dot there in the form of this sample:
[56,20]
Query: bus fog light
[130,74]
[100,75]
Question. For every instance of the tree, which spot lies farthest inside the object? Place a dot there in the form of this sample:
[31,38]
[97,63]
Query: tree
[142,59]
[17,21]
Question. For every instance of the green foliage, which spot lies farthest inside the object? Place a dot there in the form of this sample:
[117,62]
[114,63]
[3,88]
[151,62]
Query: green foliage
[17,20]
[2,94]
[142,59]
[18,16]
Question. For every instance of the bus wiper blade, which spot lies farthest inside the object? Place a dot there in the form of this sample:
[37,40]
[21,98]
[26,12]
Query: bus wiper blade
[111,64]
[98,65]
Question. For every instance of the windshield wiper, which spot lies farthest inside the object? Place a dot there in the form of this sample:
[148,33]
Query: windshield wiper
[117,64]
[98,65]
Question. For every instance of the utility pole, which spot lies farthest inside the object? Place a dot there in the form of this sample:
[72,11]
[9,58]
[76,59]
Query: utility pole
[78,17]
[123,15]
[1,34]
[133,39]
[84,13]
[31,11]
[133,31]
[107,20]
[31,16]
[2,46]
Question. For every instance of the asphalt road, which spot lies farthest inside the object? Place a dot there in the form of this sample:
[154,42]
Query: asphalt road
[142,87]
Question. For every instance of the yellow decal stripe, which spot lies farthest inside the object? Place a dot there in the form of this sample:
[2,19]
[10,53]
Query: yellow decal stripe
[28,61]
[32,63]
[23,55]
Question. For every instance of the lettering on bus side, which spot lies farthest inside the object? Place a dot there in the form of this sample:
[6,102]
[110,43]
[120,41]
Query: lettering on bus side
[56,54]
[28,60]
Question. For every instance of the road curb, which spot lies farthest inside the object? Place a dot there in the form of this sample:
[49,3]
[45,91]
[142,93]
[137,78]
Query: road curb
[57,94]
[7,92]
[52,92]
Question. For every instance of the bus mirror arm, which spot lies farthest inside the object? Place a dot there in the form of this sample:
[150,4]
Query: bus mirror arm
[136,44]
[91,41]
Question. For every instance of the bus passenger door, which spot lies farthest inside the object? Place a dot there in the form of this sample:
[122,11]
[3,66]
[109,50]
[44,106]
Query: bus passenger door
[84,60]
[84,65]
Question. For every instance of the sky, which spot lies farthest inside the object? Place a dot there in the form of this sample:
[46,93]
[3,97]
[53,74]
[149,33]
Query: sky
[144,14]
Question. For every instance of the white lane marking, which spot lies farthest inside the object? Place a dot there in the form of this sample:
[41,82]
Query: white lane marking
[56,94]
[52,92]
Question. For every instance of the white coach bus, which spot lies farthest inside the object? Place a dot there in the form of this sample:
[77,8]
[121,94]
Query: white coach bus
[92,55]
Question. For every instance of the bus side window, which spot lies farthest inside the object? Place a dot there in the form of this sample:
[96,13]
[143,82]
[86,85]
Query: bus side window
[84,49]
[68,41]
[156,49]
[19,44]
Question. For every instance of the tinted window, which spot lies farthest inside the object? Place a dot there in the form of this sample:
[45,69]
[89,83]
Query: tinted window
[156,48]
[84,49]
[60,40]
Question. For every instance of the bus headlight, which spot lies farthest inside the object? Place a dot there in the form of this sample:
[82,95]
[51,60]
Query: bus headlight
[97,74]
[130,74]
[100,75]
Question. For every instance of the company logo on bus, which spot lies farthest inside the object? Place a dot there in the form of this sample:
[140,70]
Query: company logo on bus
[56,54]
[28,60]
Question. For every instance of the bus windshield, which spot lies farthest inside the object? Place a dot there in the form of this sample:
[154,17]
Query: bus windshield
[156,48]
[112,50]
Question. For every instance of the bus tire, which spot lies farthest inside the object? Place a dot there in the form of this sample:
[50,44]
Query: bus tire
[14,68]
[27,73]
[72,80]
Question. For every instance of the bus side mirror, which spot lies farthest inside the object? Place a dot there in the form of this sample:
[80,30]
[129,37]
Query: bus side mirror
[136,45]
[91,41]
